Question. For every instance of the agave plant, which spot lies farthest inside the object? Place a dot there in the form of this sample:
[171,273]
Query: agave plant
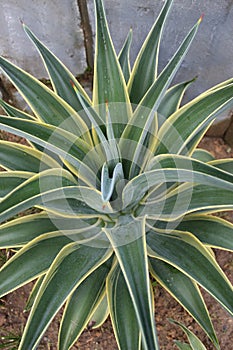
[194,342]
[122,194]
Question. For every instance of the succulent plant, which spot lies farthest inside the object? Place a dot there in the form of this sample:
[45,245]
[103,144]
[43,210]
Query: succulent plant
[122,194]
[194,341]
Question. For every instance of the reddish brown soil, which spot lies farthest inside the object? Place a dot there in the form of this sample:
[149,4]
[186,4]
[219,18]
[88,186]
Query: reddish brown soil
[13,319]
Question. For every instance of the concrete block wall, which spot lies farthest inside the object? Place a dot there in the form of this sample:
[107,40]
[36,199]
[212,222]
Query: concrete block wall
[55,22]
[58,24]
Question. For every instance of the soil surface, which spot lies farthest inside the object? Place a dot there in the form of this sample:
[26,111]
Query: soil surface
[12,317]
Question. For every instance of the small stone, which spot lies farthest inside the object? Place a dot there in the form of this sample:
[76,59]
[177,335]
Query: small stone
[220,126]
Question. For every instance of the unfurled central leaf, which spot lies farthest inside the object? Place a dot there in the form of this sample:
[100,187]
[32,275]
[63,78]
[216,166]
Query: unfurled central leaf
[108,184]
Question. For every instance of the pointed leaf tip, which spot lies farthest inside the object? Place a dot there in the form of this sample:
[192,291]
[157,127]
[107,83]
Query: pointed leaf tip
[201,18]
[74,86]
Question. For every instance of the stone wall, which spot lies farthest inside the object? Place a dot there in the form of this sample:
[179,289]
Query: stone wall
[58,24]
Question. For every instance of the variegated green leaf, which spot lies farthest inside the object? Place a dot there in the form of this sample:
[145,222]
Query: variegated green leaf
[224,164]
[222,84]
[11,179]
[185,291]
[171,101]
[123,315]
[210,230]
[129,244]
[144,71]
[19,157]
[196,138]
[107,143]
[202,155]
[70,268]
[81,305]
[31,261]
[45,104]
[29,193]
[101,313]
[123,56]
[109,83]
[198,264]
[187,199]
[33,293]
[195,343]
[75,201]
[15,112]
[182,346]
[55,191]
[140,125]
[58,141]
[60,76]
[189,120]
[168,168]
[20,231]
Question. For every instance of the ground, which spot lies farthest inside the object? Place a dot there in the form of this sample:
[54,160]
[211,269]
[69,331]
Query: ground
[12,317]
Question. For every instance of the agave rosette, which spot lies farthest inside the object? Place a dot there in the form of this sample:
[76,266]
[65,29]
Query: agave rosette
[123,194]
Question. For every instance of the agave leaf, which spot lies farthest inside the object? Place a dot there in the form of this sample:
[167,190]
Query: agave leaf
[191,119]
[19,231]
[182,346]
[57,140]
[108,184]
[108,144]
[222,84]
[76,201]
[139,126]
[72,266]
[123,315]
[60,76]
[14,112]
[45,104]
[186,292]
[187,199]
[167,168]
[109,82]
[51,190]
[111,137]
[81,305]
[123,56]
[91,114]
[155,94]
[18,157]
[203,155]
[191,146]
[11,179]
[195,343]
[25,195]
[198,264]
[145,67]
[31,261]
[171,100]
[210,230]
[224,164]
[177,161]
[33,293]
[22,230]
[128,242]
[101,312]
